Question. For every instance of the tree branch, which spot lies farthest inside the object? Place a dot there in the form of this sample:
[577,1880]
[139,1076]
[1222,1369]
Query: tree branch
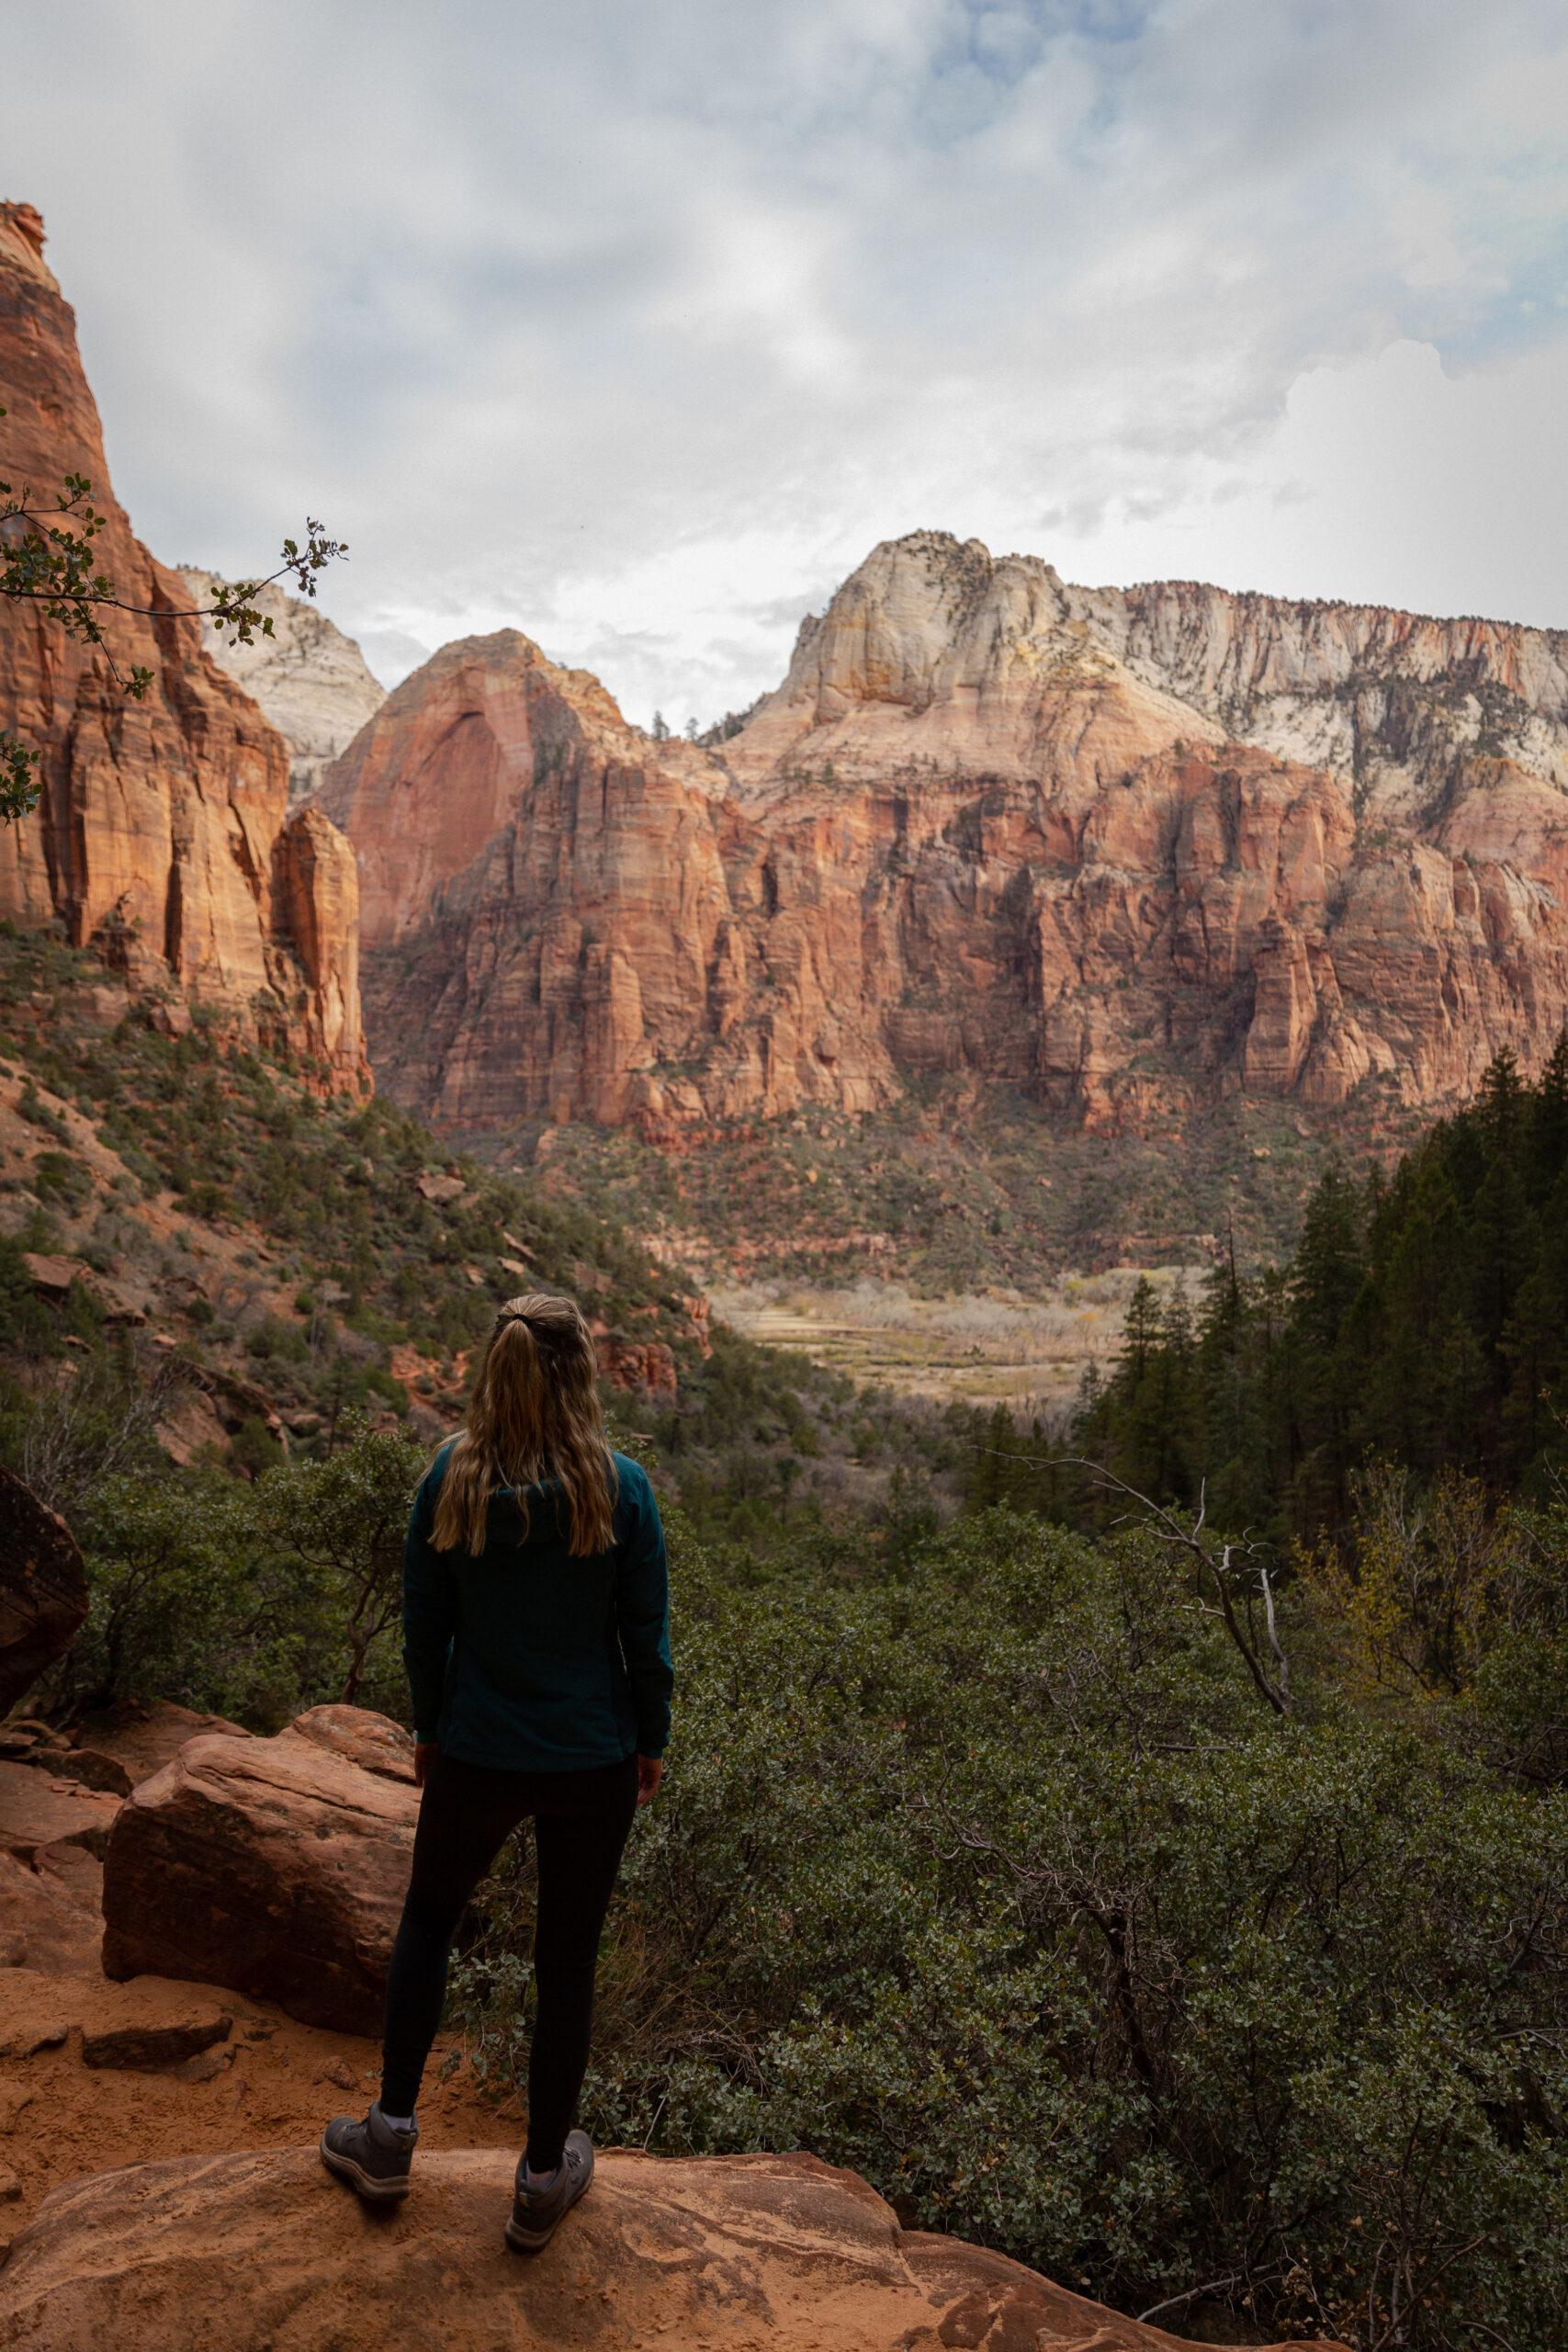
[1167,1528]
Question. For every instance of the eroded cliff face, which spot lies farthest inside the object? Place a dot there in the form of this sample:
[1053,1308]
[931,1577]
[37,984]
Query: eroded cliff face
[542,890]
[313,682]
[959,645]
[163,837]
[1119,851]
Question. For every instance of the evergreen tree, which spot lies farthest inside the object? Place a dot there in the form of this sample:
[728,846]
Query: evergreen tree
[1547,1125]
[1423,1319]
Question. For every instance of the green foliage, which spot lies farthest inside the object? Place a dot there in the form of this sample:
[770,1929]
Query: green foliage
[1422,1319]
[329,1190]
[342,1521]
[980,1864]
[991,1880]
[249,1599]
[186,1604]
[18,779]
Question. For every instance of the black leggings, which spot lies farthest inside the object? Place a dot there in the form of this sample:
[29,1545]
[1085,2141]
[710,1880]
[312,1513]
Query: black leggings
[580,1820]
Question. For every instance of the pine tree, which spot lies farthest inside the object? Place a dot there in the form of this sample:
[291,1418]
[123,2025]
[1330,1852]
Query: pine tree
[1548,1123]
[1327,1277]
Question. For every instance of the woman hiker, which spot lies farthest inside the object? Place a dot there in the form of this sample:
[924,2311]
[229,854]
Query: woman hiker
[536,1636]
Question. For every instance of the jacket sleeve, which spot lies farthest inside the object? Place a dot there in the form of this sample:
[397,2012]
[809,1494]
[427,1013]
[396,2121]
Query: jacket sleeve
[642,1602]
[430,1613]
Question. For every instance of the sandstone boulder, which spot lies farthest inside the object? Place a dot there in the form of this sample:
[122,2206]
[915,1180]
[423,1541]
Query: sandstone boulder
[439,1189]
[706,2255]
[139,1740]
[49,1919]
[373,1742]
[636,1363]
[43,1589]
[147,2027]
[52,1278]
[275,1866]
[27,1739]
[92,1768]
[40,1810]
[143,2049]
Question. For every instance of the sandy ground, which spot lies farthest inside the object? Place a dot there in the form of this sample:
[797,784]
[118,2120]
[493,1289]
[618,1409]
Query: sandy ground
[275,2086]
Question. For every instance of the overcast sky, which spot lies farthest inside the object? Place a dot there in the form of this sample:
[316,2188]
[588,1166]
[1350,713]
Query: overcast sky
[636,323]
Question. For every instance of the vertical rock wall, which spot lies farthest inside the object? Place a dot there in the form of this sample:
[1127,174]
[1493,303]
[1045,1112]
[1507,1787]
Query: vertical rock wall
[161,839]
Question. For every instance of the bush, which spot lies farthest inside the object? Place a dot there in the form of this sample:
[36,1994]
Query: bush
[998,1882]
[250,1600]
[186,1605]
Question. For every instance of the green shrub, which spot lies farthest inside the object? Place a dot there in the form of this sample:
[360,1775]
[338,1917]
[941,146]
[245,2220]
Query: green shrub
[187,1605]
[998,1882]
[254,1601]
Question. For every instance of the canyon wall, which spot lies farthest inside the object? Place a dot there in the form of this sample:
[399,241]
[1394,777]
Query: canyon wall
[1118,850]
[162,838]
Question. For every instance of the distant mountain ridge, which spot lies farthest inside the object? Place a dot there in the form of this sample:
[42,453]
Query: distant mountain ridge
[1394,702]
[1123,851]
[313,682]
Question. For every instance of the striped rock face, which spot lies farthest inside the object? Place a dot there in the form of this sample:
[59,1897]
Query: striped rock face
[1123,851]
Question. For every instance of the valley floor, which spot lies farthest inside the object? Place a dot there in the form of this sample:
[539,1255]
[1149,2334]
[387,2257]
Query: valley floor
[957,1194]
[974,1347]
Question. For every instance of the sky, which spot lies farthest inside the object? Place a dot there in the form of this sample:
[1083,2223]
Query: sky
[636,324]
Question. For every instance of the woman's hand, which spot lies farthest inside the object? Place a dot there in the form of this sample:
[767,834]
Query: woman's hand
[650,1772]
[424,1757]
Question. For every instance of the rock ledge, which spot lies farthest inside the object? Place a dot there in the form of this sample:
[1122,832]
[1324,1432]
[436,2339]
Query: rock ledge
[722,2253]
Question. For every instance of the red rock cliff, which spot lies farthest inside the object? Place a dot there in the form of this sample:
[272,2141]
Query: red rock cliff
[989,824]
[161,838]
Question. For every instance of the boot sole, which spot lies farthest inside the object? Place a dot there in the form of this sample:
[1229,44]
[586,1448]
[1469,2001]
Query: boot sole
[377,2192]
[522,2240]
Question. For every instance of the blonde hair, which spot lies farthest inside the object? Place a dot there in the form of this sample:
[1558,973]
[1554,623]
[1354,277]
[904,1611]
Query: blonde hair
[534,1414]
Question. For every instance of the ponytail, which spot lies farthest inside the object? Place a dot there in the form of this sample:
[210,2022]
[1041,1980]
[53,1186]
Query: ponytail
[534,1415]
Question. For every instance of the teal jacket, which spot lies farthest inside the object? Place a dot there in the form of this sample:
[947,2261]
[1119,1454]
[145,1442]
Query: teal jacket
[526,1659]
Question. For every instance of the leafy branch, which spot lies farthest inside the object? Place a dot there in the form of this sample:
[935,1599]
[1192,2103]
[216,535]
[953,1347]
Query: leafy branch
[48,558]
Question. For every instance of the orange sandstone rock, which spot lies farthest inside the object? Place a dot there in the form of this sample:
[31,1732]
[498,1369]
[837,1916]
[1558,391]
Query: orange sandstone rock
[990,825]
[277,1866]
[721,2253]
[161,838]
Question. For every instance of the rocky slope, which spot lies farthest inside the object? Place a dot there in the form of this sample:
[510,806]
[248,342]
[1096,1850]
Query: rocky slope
[313,682]
[163,837]
[1125,854]
[201,1215]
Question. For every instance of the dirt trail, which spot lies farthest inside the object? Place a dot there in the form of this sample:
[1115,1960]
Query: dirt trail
[271,2084]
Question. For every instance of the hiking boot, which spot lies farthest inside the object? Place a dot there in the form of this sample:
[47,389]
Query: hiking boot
[536,2212]
[371,2156]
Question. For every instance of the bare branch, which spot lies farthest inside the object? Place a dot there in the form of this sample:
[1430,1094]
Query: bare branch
[1169,1529]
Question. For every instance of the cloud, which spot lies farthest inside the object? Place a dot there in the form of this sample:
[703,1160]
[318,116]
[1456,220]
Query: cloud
[633,328]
